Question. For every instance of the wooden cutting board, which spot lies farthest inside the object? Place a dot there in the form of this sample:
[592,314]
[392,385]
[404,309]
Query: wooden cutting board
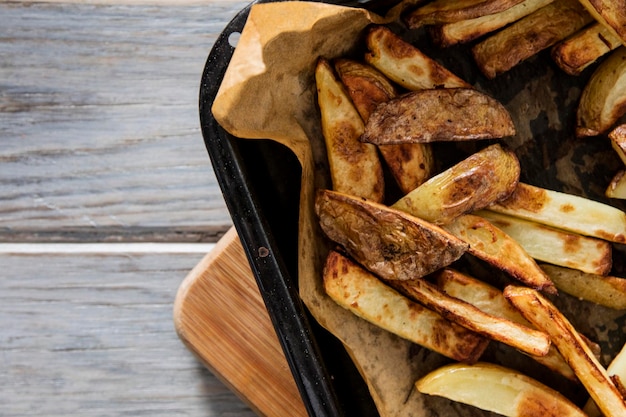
[220,316]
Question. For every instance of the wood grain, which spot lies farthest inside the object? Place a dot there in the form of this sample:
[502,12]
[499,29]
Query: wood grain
[99,121]
[220,315]
[93,335]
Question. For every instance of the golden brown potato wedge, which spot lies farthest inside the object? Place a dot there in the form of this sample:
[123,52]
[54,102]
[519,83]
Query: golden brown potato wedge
[495,247]
[411,163]
[405,64]
[610,13]
[503,330]
[484,177]
[491,300]
[618,141]
[603,100]
[555,246]
[608,291]
[545,316]
[565,211]
[388,242]
[616,367]
[366,86]
[526,37]
[446,11]
[354,166]
[617,186]
[447,114]
[448,34]
[364,294]
[498,389]
[582,49]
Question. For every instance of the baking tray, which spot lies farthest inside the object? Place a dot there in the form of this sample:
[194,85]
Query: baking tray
[260,181]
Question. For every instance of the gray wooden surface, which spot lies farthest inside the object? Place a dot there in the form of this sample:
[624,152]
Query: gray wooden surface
[100,143]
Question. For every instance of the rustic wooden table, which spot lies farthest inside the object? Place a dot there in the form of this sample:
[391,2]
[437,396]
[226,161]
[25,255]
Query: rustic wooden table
[108,200]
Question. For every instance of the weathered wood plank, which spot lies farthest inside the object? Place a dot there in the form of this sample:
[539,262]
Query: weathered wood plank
[99,125]
[93,335]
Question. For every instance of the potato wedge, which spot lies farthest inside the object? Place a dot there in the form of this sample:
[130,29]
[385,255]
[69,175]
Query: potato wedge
[491,300]
[616,367]
[506,331]
[618,141]
[354,166]
[484,177]
[498,389]
[545,316]
[449,114]
[495,247]
[388,242]
[565,211]
[610,13]
[366,86]
[405,64]
[445,11]
[448,34]
[608,291]
[603,100]
[617,186]
[547,244]
[410,164]
[541,29]
[357,290]
[582,49]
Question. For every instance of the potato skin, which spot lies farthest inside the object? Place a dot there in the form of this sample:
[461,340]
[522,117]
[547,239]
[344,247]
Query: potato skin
[447,114]
[390,243]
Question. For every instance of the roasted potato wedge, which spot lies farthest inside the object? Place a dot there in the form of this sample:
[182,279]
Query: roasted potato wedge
[495,247]
[498,389]
[603,100]
[608,291]
[616,367]
[582,49]
[610,13]
[503,330]
[545,316]
[618,141]
[410,164]
[565,211]
[446,11]
[541,29]
[555,246]
[448,114]
[405,64]
[448,34]
[617,186]
[354,166]
[390,243]
[364,294]
[491,300]
[484,177]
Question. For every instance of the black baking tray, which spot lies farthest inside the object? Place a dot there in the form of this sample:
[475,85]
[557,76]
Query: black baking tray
[260,181]
[261,195]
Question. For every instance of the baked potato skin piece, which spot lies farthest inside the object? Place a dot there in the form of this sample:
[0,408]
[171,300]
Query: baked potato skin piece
[479,180]
[610,13]
[410,164]
[405,64]
[391,244]
[584,48]
[444,11]
[447,114]
[603,100]
[364,294]
[526,37]
[355,167]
